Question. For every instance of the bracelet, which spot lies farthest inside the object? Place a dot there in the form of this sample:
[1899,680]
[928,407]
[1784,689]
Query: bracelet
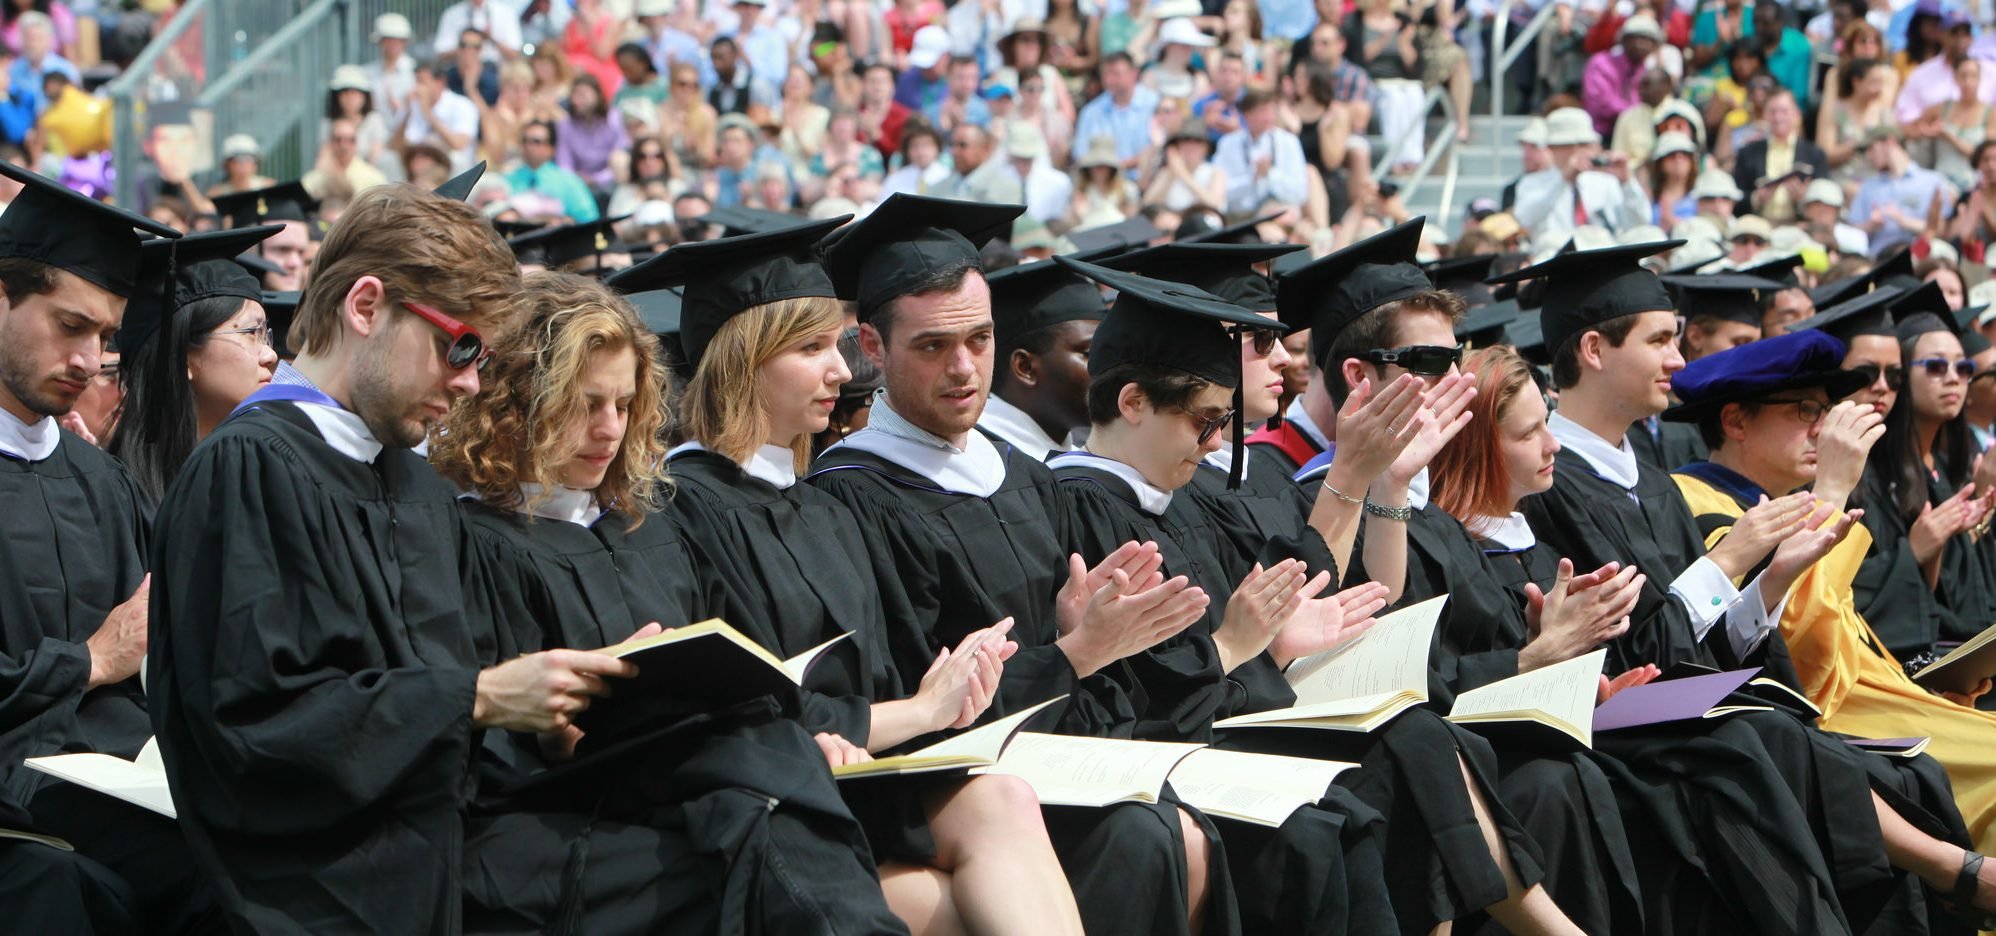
[1340,495]
[1402,513]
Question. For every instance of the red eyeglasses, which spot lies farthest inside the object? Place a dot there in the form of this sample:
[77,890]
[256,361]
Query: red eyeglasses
[467,347]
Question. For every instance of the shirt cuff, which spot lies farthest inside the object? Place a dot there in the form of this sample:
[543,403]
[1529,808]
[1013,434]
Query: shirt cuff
[1750,622]
[1706,592]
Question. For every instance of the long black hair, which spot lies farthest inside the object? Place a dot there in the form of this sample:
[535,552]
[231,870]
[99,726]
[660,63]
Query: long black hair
[1896,470]
[159,425]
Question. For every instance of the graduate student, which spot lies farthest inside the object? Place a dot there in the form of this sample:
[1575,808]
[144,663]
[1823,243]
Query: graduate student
[192,350]
[1044,319]
[73,617]
[1776,424]
[1163,372]
[1614,331]
[760,326]
[561,460]
[320,686]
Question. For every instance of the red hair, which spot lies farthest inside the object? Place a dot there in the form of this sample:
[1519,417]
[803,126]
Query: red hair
[1467,476]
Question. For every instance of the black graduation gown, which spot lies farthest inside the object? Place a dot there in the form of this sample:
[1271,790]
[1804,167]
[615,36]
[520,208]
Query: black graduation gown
[1436,864]
[949,563]
[1892,592]
[1673,446]
[1767,780]
[313,669]
[76,529]
[794,860]
[46,889]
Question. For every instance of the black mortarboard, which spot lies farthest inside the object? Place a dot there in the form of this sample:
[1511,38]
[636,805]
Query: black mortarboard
[1691,268]
[1031,296]
[1972,339]
[1927,297]
[1734,297]
[1527,334]
[50,223]
[1240,232]
[722,278]
[1799,360]
[1463,276]
[1867,313]
[202,266]
[1331,293]
[557,247]
[1896,270]
[907,239]
[458,187]
[1172,325]
[736,220]
[1487,325]
[285,201]
[1123,235]
[1586,288]
[1225,270]
[279,308]
[255,264]
[659,308]
[513,229]
[1779,269]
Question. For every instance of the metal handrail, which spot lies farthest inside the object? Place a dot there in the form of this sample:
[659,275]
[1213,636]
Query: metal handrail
[1435,153]
[280,41]
[124,93]
[1506,56]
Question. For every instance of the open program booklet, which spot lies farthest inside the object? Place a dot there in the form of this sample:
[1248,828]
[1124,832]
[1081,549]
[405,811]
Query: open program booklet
[140,781]
[1362,684]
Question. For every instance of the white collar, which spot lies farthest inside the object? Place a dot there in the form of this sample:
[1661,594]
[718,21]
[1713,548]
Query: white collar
[1511,532]
[343,430]
[1151,499]
[29,441]
[1613,461]
[1011,423]
[774,465]
[566,504]
[1223,458]
[1417,491]
[976,469]
[1296,415]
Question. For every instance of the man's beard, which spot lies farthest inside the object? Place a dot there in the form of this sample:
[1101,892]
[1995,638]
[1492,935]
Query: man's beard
[16,374]
[378,405]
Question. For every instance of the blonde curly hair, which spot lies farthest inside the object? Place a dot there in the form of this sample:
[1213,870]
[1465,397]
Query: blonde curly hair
[516,430]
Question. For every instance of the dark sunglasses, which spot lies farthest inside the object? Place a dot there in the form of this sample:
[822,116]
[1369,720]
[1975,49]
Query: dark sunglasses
[467,347]
[1264,339]
[1208,428]
[1937,368]
[535,140]
[1425,360]
[1893,375]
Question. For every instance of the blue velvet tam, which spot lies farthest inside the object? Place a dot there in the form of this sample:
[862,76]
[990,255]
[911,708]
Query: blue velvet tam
[1762,371]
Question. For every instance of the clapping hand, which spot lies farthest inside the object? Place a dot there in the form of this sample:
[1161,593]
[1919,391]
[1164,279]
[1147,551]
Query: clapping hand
[1318,624]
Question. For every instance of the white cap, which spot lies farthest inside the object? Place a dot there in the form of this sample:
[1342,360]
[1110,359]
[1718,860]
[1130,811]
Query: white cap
[1172,9]
[1697,228]
[1641,24]
[1180,31]
[652,212]
[1642,234]
[351,78]
[1570,126]
[1826,191]
[1787,240]
[1534,132]
[834,207]
[1943,251]
[1697,252]
[1717,183]
[1670,142]
[1750,226]
[1024,141]
[931,44]
[655,7]
[392,26]
[1984,294]
[240,144]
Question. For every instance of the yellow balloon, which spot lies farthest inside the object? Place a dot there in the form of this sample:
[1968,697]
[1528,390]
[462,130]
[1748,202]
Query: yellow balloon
[77,123]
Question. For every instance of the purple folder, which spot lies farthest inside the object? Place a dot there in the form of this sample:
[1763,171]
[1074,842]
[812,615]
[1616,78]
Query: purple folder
[1675,700]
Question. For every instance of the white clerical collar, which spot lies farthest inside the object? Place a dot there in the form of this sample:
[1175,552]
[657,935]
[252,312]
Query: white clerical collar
[774,465]
[343,430]
[1417,491]
[1223,458]
[1511,532]
[28,441]
[977,469]
[1151,499]
[1296,416]
[1613,461]
[1011,423]
[565,504]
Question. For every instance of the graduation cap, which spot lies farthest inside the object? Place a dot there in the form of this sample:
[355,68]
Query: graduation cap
[560,246]
[285,201]
[659,308]
[513,229]
[50,223]
[201,266]
[1331,293]
[1172,325]
[1896,270]
[255,264]
[1527,334]
[1972,339]
[1927,297]
[1486,325]
[1240,232]
[1463,276]
[722,278]
[279,308]
[1586,288]
[1734,297]
[458,187]
[1123,235]
[1865,314]
[1031,296]
[1779,269]
[1225,270]
[1801,360]
[736,220]
[906,239]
